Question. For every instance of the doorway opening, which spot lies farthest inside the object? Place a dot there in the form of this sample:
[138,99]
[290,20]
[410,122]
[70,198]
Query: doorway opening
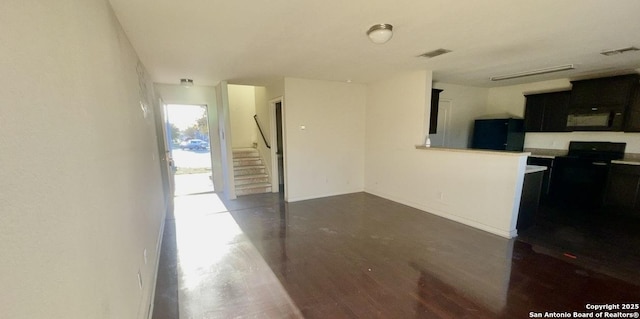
[441,137]
[189,143]
[279,145]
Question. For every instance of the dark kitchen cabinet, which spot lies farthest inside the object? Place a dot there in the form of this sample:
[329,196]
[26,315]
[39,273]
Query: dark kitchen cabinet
[622,194]
[433,119]
[632,118]
[529,201]
[546,175]
[615,98]
[498,134]
[547,112]
[603,92]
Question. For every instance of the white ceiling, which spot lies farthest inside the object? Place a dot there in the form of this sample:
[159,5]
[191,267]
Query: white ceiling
[253,42]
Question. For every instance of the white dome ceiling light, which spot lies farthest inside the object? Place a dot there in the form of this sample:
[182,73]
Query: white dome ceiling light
[186,82]
[380,33]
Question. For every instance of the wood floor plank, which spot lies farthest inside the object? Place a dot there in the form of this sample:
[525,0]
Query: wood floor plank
[361,256]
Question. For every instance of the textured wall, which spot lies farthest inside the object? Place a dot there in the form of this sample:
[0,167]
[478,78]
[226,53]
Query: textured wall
[80,192]
[327,156]
[242,108]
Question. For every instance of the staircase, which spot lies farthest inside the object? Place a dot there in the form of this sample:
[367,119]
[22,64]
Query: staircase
[250,174]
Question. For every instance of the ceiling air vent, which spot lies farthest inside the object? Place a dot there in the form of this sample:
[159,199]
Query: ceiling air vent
[619,51]
[434,53]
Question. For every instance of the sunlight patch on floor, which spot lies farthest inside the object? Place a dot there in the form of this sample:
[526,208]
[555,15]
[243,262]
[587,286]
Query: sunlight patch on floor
[220,273]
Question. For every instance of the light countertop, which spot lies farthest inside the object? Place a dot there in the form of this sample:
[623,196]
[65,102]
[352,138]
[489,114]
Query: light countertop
[629,158]
[627,161]
[470,150]
[534,169]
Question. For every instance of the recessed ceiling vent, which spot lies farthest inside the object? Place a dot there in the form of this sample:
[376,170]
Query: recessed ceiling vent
[619,51]
[434,53]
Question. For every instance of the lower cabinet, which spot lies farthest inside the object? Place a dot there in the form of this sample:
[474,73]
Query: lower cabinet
[530,200]
[622,193]
[546,177]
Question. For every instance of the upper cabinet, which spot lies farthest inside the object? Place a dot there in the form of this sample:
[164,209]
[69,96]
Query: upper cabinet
[604,104]
[632,118]
[603,92]
[547,112]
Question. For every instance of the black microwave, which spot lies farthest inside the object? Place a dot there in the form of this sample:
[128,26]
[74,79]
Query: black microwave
[596,119]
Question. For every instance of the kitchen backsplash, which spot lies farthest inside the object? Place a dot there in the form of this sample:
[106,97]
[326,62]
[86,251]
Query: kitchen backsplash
[560,141]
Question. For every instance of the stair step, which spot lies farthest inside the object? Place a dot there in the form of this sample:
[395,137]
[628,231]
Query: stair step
[245,149]
[247,161]
[254,185]
[245,152]
[256,188]
[248,170]
[251,176]
[241,180]
[239,168]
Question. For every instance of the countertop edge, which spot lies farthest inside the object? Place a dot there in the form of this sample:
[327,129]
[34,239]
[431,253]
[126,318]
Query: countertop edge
[534,169]
[542,156]
[463,150]
[626,162]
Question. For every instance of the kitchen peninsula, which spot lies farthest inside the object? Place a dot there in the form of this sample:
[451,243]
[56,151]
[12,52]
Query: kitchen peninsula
[479,188]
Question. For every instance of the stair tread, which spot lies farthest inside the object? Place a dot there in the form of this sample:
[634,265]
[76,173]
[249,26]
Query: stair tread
[245,152]
[255,185]
[248,166]
[244,149]
[251,176]
[244,160]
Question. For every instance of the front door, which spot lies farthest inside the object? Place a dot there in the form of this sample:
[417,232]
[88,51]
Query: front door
[188,138]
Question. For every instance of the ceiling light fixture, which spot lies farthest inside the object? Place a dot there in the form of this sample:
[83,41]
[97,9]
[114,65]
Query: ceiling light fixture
[533,72]
[380,33]
[619,51]
[186,82]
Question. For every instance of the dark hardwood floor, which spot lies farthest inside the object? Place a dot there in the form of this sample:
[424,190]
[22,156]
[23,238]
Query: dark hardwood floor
[361,256]
[165,304]
[599,239]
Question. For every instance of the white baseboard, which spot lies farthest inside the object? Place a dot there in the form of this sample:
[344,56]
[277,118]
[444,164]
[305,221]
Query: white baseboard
[455,218]
[157,262]
[301,198]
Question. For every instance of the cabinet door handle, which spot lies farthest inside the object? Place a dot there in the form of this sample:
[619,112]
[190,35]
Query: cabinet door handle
[594,108]
[599,163]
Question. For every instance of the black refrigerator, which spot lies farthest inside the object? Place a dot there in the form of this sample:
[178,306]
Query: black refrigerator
[498,134]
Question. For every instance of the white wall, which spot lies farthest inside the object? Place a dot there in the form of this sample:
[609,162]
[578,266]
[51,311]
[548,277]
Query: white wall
[275,89]
[477,189]
[81,187]
[264,118]
[511,99]
[327,157]
[242,108]
[226,138]
[467,104]
[199,95]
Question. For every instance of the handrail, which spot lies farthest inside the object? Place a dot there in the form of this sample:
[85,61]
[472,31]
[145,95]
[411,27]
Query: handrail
[255,117]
